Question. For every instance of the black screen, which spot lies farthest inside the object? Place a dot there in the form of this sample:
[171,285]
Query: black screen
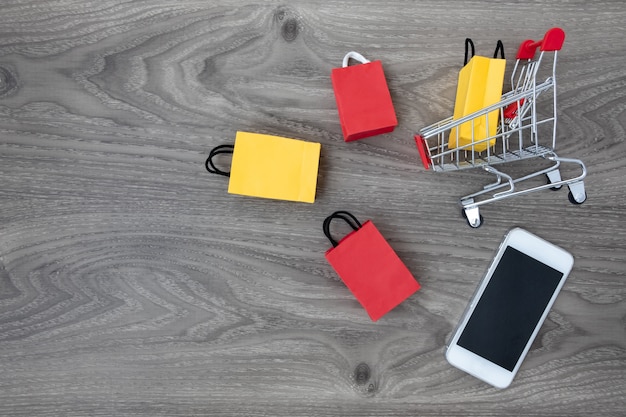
[509,309]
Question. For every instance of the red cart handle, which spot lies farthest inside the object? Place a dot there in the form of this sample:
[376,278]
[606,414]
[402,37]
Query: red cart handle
[552,41]
[422,148]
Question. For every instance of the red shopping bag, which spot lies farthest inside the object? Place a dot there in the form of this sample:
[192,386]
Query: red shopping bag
[363,99]
[369,266]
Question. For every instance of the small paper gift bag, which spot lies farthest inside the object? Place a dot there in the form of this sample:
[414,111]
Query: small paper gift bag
[270,166]
[369,266]
[479,86]
[363,99]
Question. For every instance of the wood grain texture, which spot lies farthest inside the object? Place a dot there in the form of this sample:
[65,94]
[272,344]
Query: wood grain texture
[131,283]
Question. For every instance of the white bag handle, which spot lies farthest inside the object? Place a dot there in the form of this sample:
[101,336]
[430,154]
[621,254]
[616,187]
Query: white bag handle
[356,56]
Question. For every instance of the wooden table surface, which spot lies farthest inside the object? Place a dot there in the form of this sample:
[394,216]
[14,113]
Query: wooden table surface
[132,283]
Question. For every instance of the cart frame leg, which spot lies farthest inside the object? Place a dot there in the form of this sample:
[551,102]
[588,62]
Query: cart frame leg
[554,177]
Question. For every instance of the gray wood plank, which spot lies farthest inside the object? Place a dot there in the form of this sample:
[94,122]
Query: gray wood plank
[132,283]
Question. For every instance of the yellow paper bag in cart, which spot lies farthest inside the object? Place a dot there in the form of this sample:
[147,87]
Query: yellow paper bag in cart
[271,167]
[479,86]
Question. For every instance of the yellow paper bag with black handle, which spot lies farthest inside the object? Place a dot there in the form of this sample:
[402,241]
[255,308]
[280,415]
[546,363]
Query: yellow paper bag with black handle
[479,86]
[270,167]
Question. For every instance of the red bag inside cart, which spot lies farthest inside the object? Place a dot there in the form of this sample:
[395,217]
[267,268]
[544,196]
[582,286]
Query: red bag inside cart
[363,99]
[369,267]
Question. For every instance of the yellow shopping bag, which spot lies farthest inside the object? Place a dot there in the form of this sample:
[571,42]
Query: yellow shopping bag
[480,85]
[270,166]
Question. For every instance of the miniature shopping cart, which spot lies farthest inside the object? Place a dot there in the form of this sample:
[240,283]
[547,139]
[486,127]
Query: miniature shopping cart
[522,133]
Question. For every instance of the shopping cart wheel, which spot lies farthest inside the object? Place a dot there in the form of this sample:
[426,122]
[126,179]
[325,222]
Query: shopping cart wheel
[577,194]
[581,198]
[557,188]
[474,218]
[554,177]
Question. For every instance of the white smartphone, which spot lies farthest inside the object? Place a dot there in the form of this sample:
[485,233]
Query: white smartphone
[508,308]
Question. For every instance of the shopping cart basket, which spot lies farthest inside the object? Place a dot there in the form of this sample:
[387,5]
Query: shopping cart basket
[522,133]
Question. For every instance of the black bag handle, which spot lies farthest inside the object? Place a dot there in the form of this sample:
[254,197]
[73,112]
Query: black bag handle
[499,47]
[344,215]
[468,44]
[216,151]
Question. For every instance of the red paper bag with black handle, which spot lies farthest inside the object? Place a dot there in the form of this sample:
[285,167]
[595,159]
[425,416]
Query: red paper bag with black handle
[369,267]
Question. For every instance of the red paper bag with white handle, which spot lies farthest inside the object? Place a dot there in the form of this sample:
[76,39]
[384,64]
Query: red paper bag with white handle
[369,267]
[363,98]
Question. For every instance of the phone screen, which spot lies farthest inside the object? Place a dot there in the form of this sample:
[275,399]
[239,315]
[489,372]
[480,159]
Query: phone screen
[510,307]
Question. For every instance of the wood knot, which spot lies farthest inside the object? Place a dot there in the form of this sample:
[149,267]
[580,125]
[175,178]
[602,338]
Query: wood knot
[288,21]
[362,374]
[8,82]
[290,29]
